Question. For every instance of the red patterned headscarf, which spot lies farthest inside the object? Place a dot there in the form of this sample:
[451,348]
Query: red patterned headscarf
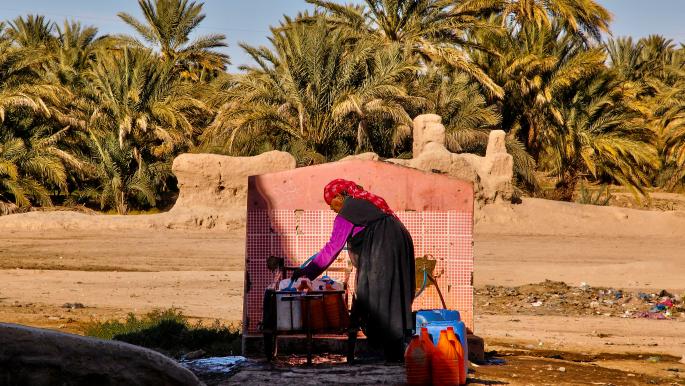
[339,186]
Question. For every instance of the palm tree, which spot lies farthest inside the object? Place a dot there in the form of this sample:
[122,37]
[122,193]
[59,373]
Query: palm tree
[651,69]
[315,94]
[574,118]
[32,135]
[168,25]
[602,137]
[142,100]
[32,168]
[75,52]
[34,31]
[20,84]
[586,19]
[120,179]
[469,117]
[538,68]
[432,30]
[465,112]
[667,121]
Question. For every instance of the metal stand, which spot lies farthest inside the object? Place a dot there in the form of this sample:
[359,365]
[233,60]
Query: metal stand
[271,333]
[269,324]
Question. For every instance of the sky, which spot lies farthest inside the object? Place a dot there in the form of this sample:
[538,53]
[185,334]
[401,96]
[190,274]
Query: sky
[249,20]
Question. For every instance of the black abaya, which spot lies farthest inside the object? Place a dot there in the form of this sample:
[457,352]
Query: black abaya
[385,281]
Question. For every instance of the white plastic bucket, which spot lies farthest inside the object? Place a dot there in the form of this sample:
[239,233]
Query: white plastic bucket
[288,312]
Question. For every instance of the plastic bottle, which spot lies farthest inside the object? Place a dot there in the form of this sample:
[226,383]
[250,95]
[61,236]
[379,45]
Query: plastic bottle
[417,362]
[427,341]
[445,364]
[430,348]
[423,334]
[460,332]
[460,354]
[426,337]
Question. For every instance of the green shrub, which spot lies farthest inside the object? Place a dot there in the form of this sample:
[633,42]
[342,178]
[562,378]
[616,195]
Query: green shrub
[170,332]
[601,196]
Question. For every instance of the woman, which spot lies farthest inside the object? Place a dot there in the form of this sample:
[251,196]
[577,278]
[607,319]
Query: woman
[382,250]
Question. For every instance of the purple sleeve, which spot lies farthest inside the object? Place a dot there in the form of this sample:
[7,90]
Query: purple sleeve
[341,232]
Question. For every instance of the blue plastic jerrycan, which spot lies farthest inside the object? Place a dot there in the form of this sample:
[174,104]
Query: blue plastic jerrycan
[438,320]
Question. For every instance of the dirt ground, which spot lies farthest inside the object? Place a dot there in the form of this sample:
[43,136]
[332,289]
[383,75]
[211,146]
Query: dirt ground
[113,273]
[520,367]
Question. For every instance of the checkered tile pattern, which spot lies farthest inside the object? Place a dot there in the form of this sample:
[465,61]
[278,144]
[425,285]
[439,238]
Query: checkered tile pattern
[445,235]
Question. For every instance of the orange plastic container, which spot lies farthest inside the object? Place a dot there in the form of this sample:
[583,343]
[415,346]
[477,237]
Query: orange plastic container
[424,335]
[335,311]
[417,362]
[460,354]
[445,363]
[316,317]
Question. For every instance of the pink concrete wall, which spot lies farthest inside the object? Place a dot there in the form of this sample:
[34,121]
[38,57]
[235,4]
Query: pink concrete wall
[288,217]
[403,188]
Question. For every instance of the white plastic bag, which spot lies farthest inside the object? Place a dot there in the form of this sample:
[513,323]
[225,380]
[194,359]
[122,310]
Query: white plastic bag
[301,284]
[327,284]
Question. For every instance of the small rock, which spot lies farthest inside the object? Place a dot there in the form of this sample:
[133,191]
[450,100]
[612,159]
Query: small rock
[584,286]
[594,304]
[73,306]
[536,304]
[654,359]
[562,369]
[631,375]
[195,354]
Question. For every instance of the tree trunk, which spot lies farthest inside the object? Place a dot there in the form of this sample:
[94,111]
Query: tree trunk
[121,202]
[566,187]
[362,136]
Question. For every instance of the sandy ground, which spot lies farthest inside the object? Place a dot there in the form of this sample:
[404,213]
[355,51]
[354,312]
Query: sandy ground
[113,272]
[626,262]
